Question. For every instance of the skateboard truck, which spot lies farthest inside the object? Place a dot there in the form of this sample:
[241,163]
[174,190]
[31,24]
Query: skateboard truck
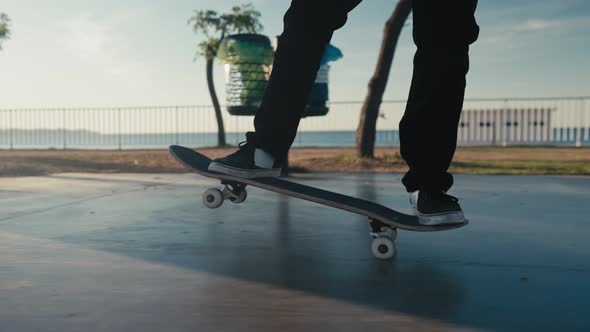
[233,191]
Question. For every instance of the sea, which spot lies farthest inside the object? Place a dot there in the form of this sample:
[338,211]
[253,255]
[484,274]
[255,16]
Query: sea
[81,139]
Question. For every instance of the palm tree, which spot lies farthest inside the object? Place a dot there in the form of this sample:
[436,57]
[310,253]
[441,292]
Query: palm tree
[4,28]
[365,133]
[214,28]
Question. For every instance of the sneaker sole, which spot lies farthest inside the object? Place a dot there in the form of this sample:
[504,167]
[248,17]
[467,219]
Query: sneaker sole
[245,174]
[448,218]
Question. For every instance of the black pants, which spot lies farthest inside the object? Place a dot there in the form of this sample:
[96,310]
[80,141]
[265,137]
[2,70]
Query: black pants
[442,31]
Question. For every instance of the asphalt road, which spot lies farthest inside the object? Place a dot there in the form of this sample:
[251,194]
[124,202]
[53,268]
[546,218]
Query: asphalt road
[88,252]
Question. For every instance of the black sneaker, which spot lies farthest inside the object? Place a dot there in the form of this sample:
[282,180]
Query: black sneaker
[436,208]
[248,162]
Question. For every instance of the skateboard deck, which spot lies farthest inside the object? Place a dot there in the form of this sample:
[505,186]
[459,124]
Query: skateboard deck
[378,213]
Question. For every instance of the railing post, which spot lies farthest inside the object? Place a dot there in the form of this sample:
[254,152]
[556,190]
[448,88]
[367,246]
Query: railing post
[550,130]
[11,130]
[176,126]
[581,123]
[119,133]
[587,125]
[63,128]
[494,129]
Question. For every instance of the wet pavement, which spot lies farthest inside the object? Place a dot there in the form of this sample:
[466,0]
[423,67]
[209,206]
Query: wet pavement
[87,252]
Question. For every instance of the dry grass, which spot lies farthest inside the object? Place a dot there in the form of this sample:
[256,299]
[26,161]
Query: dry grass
[476,160]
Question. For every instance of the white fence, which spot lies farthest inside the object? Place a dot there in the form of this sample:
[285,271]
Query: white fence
[506,126]
[526,121]
[517,121]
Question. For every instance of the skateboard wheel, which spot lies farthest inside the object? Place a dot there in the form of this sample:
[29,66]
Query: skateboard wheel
[212,198]
[383,247]
[240,198]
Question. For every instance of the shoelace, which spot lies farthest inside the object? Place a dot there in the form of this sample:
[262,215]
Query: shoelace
[240,150]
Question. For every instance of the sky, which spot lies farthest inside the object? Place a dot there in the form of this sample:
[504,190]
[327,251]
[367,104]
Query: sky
[91,53]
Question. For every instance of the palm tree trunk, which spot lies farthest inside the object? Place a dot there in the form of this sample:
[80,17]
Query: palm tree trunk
[216,106]
[365,133]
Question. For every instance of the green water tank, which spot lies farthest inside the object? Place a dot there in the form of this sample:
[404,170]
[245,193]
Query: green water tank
[248,62]
[317,104]
[247,59]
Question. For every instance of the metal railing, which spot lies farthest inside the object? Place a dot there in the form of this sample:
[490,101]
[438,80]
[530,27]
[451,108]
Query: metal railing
[503,121]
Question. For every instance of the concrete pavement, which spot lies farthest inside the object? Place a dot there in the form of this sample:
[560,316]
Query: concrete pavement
[139,251]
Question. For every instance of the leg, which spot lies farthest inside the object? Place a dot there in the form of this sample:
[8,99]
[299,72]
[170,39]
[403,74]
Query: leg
[308,28]
[443,32]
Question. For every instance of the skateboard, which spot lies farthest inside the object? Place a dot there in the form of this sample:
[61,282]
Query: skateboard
[383,222]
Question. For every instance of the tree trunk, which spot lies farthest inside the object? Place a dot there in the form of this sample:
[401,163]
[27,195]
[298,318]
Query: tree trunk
[216,106]
[365,133]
